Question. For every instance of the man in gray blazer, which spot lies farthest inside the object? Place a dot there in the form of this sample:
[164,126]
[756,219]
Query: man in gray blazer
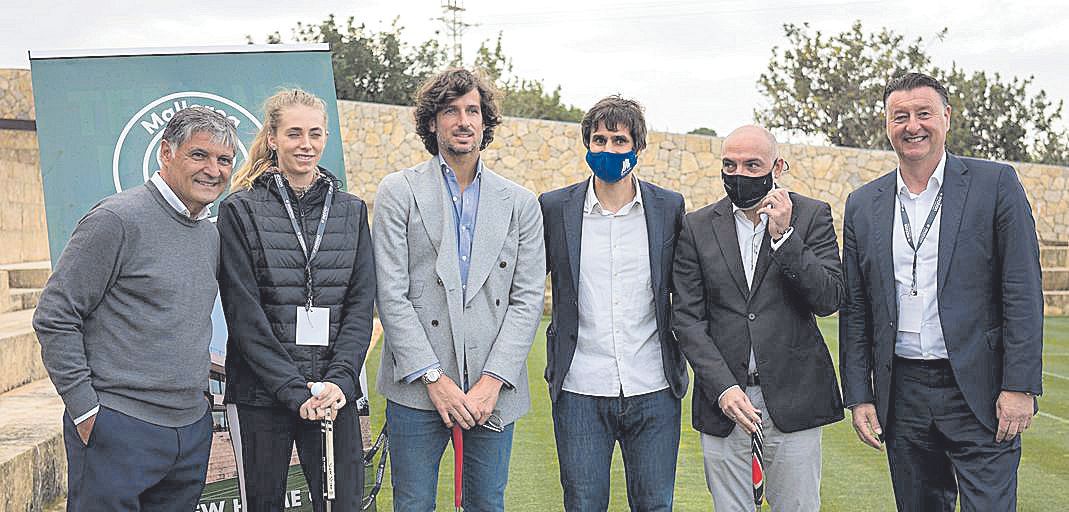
[461,277]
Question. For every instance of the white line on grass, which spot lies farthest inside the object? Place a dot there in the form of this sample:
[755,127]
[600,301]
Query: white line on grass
[1053,417]
[1056,375]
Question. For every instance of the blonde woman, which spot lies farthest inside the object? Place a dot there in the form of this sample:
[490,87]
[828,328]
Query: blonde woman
[297,280]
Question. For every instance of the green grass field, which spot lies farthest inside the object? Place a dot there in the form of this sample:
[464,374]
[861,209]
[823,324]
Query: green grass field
[855,477]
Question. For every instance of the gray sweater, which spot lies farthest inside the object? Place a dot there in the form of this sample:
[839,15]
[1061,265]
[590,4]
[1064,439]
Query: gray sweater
[125,320]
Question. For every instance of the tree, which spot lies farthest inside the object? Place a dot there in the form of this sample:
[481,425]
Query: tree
[522,97]
[371,66]
[995,119]
[703,131]
[380,67]
[833,87]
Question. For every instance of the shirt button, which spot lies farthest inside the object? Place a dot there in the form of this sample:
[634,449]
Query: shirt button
[463,258]
[454,199]
[751,316]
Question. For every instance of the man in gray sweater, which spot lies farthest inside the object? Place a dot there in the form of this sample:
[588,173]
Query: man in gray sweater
[124,324]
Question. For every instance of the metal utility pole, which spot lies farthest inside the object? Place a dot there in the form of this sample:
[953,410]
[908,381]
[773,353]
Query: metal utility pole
[452,18]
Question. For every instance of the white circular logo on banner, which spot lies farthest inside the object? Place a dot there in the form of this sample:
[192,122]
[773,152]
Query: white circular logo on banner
[140,138]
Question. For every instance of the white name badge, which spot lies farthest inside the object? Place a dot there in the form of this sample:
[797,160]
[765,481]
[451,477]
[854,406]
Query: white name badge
[313,326]
[910,312]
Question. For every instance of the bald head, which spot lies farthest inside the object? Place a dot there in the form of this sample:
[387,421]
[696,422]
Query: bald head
[753,137]
[750,150]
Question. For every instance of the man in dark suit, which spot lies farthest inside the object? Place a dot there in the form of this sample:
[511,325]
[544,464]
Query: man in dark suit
[614,370]
[751,271]
[941,333]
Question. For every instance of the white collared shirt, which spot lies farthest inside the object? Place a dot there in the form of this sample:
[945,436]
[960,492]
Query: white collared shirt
[750,238]
[929,343]
[173,200]
[617,349]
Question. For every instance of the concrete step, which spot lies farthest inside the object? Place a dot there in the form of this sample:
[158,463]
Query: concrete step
[1056,303]
[33,464]
[20,354]
[1055,279]
[1054,256]
[33,274]
[24,298]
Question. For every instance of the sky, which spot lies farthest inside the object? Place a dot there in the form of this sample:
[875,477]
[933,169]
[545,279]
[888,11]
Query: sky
[691,63]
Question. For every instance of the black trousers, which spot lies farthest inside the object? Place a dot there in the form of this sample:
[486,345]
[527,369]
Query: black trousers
[936,447]
[267,437]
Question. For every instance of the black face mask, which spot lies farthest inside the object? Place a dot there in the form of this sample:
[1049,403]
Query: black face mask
[746,191]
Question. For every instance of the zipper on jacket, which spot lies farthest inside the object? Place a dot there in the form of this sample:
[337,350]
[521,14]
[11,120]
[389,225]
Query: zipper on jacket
[304,228]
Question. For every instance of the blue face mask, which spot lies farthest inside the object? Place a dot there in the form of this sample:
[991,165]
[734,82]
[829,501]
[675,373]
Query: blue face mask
[611,167]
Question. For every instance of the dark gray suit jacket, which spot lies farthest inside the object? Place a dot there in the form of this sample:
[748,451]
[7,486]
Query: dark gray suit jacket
[717,317]
[988,281]
[562,214]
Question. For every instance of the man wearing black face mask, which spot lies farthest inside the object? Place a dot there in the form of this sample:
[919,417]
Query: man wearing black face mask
[615,372]
[751,271]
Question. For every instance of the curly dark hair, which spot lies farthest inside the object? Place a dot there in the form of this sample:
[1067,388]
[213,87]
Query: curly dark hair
[613,111]
[440,90]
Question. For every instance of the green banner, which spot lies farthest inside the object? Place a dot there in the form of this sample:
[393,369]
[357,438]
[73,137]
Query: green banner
[100,118]
[100,115]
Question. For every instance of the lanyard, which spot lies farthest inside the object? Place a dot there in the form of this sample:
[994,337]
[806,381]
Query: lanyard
[308,255]
[923,234]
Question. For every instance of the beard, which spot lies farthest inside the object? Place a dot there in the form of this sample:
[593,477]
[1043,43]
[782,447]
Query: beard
[444,145]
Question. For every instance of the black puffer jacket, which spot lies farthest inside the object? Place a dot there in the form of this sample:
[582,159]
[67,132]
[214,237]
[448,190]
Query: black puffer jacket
[262,280]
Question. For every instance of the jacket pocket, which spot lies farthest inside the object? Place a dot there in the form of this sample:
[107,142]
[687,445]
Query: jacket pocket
[994,338]
[415,290]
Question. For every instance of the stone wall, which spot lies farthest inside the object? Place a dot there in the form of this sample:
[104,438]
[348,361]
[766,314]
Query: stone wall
[22,206]
[16,94]
[23,231]
[543,155]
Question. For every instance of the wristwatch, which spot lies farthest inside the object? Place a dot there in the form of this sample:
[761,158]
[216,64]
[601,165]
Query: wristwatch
[431,376]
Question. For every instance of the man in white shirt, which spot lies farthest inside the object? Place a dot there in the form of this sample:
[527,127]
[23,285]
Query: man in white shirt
[751,272]
[615,373]
[941,333]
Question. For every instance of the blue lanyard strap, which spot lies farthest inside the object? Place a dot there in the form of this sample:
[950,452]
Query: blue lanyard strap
[308,255]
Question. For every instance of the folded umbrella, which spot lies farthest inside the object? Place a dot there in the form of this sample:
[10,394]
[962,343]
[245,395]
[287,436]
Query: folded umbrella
[757,449]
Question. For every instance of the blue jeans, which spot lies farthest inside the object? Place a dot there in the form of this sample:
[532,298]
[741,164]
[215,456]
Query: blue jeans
[417,441]
[587,429]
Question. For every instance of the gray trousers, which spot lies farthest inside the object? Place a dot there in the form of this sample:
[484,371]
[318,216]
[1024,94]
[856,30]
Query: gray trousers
[792,466]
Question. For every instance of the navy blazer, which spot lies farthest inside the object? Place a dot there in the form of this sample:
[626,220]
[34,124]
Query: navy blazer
[988,282]
[562,215]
